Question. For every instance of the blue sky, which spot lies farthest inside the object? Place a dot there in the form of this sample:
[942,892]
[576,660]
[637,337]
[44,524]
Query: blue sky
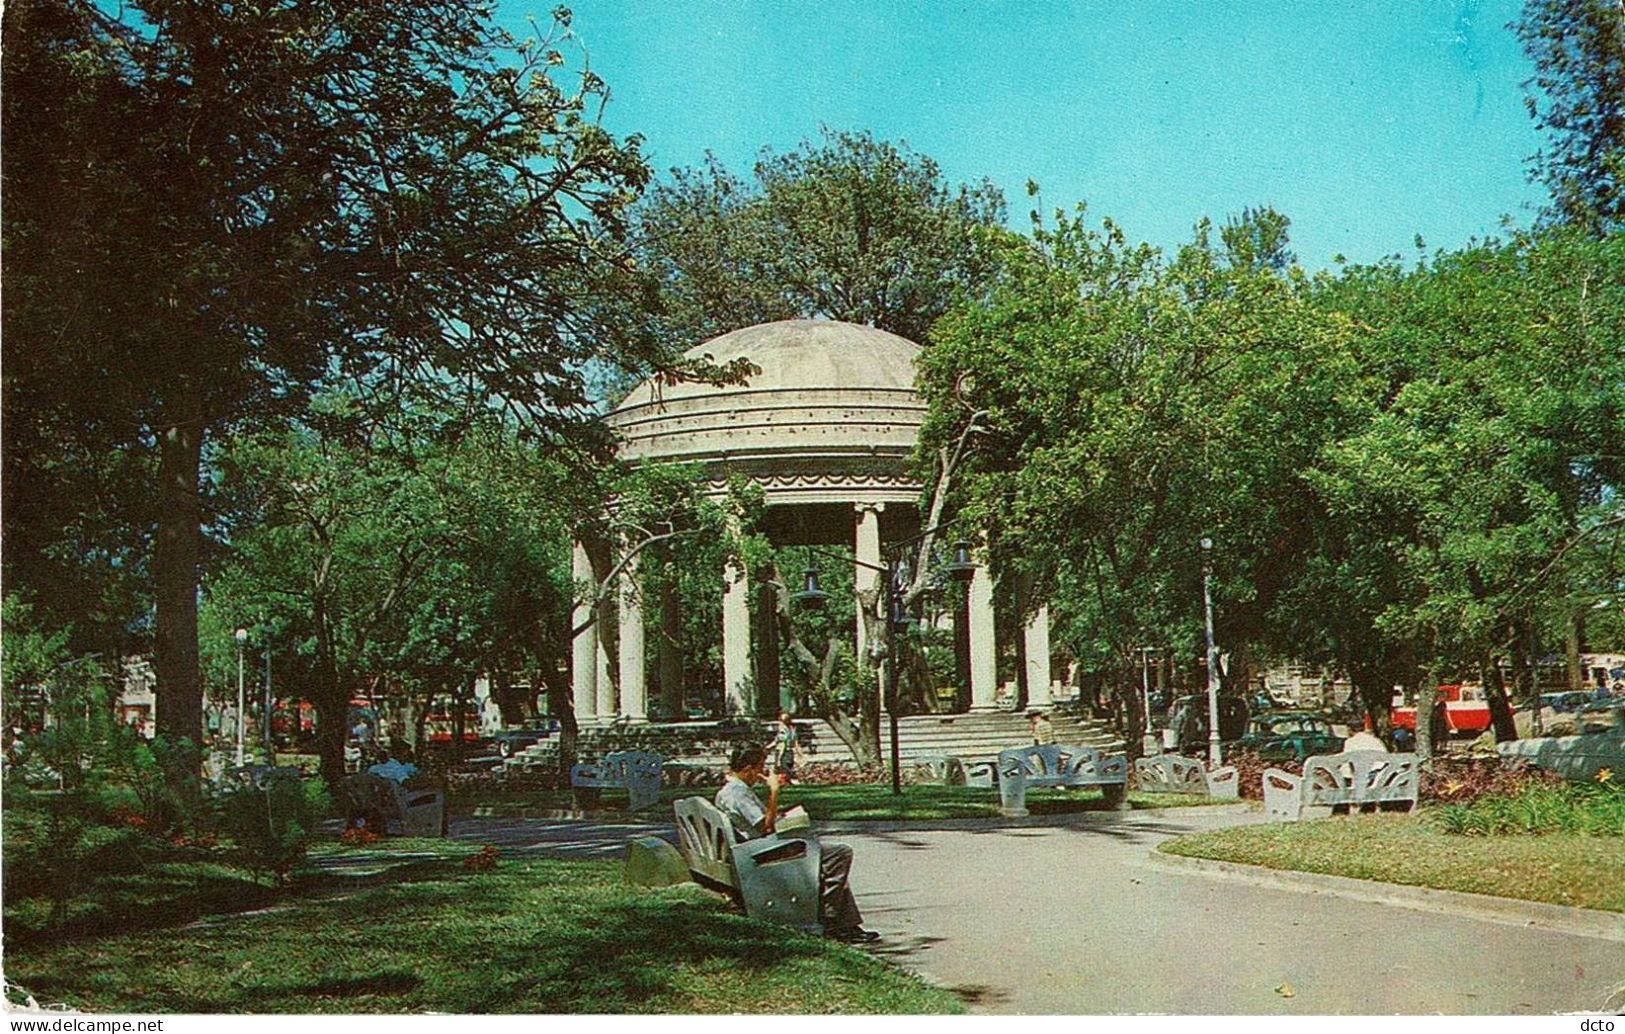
[1367,123]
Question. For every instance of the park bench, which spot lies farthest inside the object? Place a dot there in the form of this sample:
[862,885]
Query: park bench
[774,877]
[940,770]
[983,774]
[635,771]
[1057,765]
[385,806]
[1353,779]
[1175,773]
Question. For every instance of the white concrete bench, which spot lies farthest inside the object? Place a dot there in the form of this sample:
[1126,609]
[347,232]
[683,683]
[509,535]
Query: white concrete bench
[775,877]
[1058,765]
[939,770]
[635,771]
[389,807]
[1349,780]
[1175,773]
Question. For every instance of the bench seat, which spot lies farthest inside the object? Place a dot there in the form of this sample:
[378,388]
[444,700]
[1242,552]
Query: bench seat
[1058,765]
[1175,773]
[635,771]
[775,877]
[1353,779]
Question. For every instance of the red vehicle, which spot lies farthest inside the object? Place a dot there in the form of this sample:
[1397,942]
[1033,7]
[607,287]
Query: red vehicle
[440,723]
[293,722]
[1466,712]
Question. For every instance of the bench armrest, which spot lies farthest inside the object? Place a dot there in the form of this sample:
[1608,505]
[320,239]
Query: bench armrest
[1224,782]
[1283,795]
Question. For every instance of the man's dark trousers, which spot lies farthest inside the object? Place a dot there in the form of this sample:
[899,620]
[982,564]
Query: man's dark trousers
[839,910]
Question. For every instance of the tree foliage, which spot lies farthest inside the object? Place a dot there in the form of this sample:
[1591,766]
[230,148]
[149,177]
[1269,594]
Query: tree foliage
[1578,101]
[845,227]
[211,209]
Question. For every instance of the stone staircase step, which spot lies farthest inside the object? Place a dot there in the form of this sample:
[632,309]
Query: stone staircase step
[973,737]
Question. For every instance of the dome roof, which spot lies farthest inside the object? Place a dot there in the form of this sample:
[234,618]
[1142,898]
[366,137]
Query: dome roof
[833,405]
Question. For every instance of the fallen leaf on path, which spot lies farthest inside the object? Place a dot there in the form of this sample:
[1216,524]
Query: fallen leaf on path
[1285,991]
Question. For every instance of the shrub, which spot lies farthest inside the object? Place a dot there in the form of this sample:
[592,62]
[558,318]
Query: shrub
[839,775]
[56,845]
[271,821]
[358,836]
[1538,806]
[484,861]
[1465,780]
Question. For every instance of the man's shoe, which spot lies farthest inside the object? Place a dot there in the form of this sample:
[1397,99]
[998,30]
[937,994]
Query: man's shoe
[855,935]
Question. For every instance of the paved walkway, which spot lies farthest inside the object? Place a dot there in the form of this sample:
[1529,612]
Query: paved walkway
[1073,918]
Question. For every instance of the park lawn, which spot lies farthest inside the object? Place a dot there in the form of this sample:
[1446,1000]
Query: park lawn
[1557,868]
[838,803]
[407,928]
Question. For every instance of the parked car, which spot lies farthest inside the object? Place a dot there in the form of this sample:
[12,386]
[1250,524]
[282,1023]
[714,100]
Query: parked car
[1187,722]
[1601,716]
[1599,745]
[1565,702]
[509,742]
[1280,735]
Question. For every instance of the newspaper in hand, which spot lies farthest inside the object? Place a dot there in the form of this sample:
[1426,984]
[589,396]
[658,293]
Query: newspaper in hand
[794,818]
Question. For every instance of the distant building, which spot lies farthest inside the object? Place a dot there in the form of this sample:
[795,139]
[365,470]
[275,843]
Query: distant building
[137,696]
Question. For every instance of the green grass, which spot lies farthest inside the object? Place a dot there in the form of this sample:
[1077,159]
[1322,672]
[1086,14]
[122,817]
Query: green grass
[1558,868]
[410,929]
[856,802]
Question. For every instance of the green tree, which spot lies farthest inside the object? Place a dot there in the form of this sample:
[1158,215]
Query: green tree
[1133,405]
[219,206]
[1577,97]
[844,227]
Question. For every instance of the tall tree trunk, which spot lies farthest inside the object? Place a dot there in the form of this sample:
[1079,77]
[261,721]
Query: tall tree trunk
[175,572]
[1573,631]
[331,703]
[1525,682]
[1495,691]
[1426,695]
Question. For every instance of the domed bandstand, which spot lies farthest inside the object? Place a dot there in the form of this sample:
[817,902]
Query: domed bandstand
[826,430]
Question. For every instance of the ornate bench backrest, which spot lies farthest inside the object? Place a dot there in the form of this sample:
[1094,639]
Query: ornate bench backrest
[706,839]
[1063,765]
[1359,777]
[1171,773]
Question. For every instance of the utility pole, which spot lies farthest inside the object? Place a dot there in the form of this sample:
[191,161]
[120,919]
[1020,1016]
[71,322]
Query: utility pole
[1215,752]
[242,641]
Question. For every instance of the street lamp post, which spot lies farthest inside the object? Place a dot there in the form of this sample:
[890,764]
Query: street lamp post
[270,755]
[1215,753]
[242,641]
[1145,683]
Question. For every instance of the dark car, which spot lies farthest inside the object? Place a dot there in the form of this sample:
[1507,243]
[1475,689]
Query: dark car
[1283,735]
[1188,721]
[509,742]
[1563,703]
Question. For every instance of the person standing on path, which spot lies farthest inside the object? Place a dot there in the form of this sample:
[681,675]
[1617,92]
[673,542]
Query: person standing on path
[1043,729]
[786,748]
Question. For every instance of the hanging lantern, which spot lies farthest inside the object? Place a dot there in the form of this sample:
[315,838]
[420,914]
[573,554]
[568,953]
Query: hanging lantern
[811,597]
[962,569]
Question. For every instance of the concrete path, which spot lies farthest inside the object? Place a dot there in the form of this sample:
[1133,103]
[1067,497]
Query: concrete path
[1072,917]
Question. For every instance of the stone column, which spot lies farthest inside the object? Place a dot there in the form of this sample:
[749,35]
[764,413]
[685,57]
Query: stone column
[736,697]
[584,648]
[606,681]
[671,657]
[866,541]
[984,665]
[634,689]
[1035,637]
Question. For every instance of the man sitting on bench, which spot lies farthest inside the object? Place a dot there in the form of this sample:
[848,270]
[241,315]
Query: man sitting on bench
[837,909]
